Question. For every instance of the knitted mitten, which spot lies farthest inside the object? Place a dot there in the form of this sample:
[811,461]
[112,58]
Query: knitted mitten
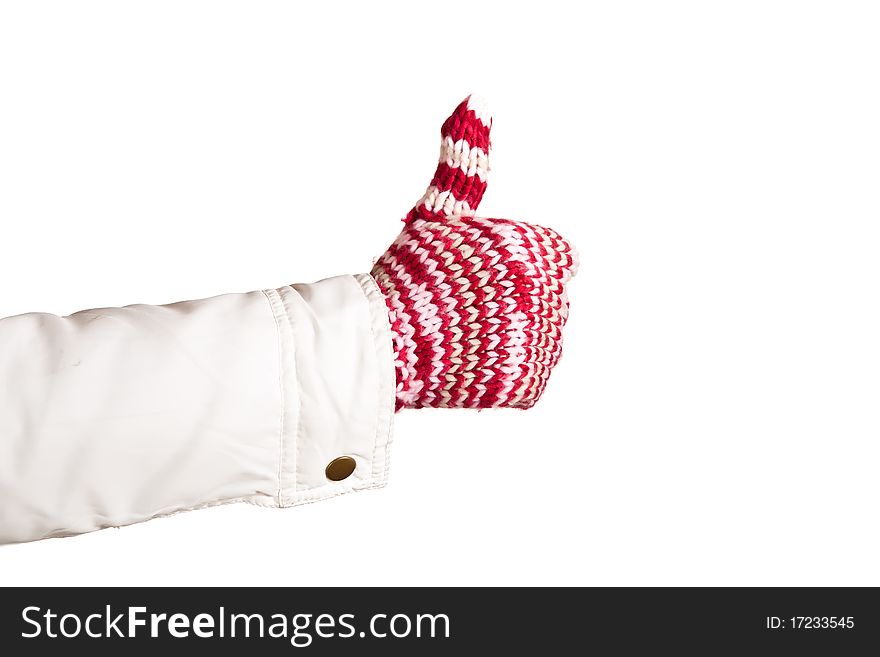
[476,305]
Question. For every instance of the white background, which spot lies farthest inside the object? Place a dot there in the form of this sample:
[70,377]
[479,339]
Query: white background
[714,419]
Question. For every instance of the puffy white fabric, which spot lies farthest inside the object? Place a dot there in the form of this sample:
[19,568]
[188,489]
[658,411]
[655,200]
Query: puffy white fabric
[118,415]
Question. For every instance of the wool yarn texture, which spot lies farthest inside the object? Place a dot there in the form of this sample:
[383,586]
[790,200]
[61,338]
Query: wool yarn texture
[476,305]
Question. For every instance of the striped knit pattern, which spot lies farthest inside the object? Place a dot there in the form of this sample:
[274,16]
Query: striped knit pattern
[460,180]
[476,305]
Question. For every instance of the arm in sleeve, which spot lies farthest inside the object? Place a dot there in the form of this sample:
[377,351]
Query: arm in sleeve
[117,415]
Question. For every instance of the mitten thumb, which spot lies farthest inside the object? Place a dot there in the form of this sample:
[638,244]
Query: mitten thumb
[460,179]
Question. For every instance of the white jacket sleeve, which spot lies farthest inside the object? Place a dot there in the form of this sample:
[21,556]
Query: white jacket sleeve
[113,416]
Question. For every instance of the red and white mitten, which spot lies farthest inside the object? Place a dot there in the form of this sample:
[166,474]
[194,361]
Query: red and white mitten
[476,305]
[286,395]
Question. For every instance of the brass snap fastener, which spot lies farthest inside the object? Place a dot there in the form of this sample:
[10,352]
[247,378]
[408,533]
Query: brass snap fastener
[340,468]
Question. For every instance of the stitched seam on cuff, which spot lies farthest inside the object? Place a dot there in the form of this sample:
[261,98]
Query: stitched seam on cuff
[272,296]
[296,378]
[385,414]
[373,344]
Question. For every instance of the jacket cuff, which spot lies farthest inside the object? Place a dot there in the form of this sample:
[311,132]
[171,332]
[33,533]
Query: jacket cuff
[336,371]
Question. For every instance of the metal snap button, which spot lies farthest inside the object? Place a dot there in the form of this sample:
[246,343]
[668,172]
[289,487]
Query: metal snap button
[340,468]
